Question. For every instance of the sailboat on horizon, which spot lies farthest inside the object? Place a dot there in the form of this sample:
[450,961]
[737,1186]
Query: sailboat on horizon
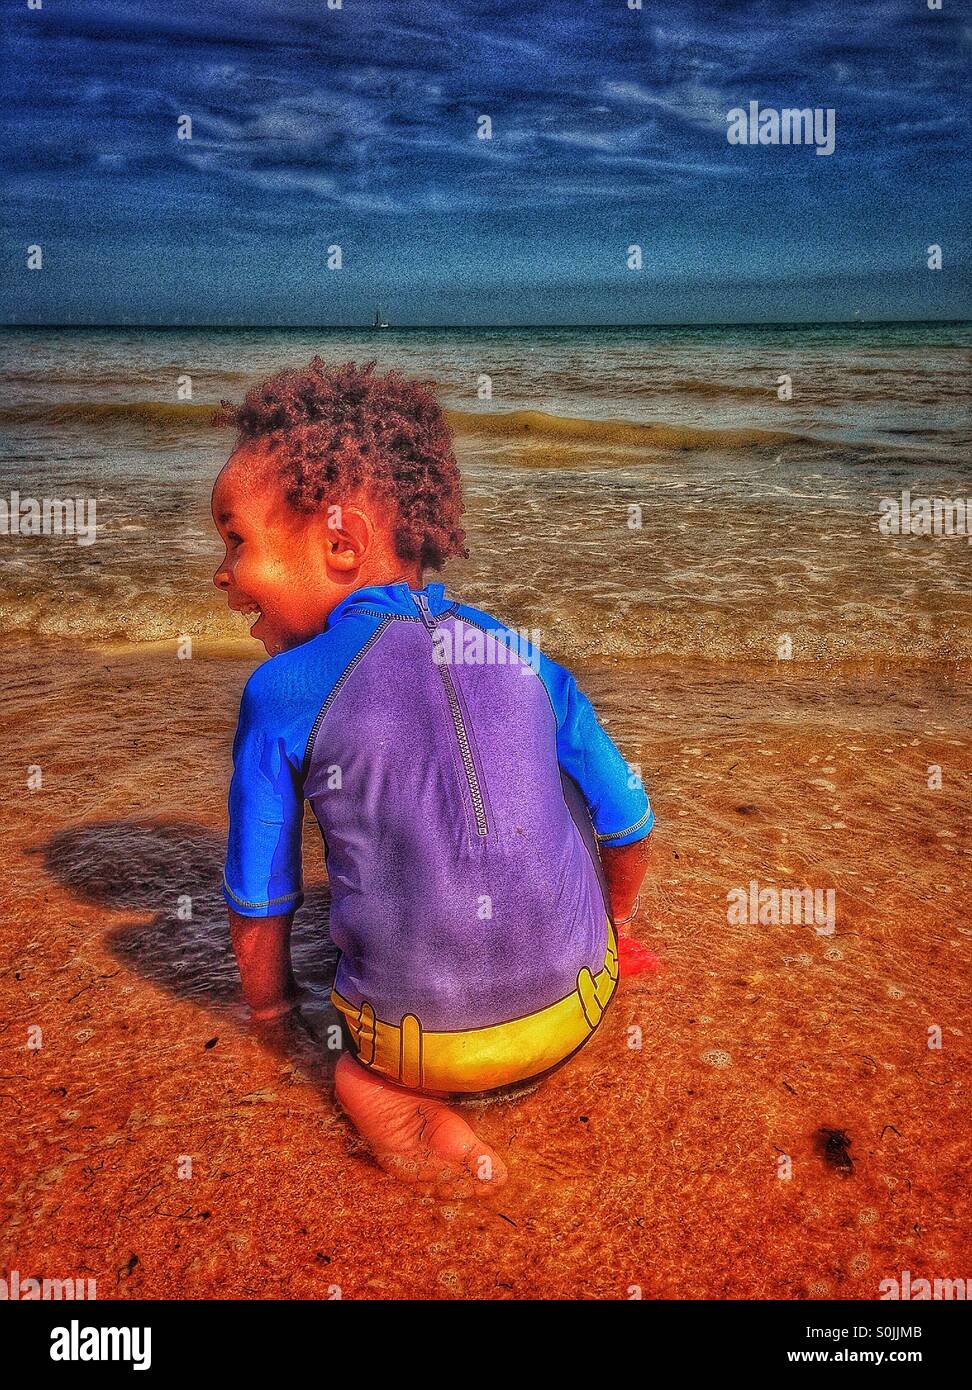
[380,320]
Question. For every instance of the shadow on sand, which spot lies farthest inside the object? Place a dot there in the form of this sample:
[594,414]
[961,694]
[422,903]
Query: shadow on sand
[173,870]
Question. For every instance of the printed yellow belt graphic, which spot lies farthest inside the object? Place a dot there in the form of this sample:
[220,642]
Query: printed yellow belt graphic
[479,1059]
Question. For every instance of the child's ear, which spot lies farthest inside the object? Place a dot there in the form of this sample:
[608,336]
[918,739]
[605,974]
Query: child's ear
[349,534]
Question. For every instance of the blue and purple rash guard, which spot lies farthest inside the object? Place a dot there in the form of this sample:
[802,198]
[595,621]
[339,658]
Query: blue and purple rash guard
[460,780]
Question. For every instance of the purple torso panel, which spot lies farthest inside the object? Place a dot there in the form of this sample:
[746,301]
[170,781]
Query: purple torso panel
[464,890]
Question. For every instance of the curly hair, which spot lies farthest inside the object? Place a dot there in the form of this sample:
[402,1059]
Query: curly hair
[332,430]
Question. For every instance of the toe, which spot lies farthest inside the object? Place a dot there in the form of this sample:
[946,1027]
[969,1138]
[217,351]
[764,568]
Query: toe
[417,1138]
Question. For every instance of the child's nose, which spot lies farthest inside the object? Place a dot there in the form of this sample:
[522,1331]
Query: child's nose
[222,578]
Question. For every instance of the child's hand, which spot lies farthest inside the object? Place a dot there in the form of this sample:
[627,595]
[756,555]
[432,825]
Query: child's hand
[269,1013]
[291,1035]
[624,868]
[262,947]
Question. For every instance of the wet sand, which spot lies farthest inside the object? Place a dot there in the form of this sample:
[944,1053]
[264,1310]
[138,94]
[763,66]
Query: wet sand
[654,1168]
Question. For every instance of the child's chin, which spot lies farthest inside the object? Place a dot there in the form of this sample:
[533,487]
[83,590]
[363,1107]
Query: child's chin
[272,639]
[269,641]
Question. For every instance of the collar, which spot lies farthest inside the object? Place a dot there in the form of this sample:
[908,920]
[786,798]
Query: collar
[390,600]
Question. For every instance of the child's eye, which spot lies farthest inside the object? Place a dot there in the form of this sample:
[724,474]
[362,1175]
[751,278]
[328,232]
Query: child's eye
[232,536]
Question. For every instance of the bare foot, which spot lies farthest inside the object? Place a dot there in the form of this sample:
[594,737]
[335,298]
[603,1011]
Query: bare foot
[417,1137]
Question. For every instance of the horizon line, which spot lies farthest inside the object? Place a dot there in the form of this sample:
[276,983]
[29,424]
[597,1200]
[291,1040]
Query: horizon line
[456,327]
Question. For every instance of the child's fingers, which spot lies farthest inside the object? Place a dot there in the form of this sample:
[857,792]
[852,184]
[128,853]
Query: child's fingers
[274,1012]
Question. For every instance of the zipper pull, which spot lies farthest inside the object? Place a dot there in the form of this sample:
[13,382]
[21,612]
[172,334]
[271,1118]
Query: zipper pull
[424,609]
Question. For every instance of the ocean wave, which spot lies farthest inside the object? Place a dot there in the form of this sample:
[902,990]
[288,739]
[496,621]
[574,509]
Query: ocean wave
[536,424]
[512,425]
[107,412]
[585,633]
[529,430]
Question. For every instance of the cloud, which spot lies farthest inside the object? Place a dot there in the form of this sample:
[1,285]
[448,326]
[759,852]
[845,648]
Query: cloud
[601,116]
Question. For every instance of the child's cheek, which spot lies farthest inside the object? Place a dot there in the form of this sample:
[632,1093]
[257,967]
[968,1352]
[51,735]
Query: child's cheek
[260,576]
[280,584]
[286,582]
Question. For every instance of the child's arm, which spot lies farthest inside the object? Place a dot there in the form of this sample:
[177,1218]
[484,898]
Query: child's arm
[262,949]
[620,811]
[262,877]
[625,867]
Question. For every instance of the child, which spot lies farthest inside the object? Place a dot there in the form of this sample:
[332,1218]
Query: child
[483,835]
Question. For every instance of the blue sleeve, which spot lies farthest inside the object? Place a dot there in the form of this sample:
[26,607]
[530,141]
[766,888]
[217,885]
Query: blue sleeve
[262,876]
[615,797]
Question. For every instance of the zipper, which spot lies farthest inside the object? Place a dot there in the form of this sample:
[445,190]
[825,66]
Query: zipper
[462,736]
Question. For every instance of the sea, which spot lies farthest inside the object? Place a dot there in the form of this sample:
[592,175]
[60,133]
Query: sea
[632,494]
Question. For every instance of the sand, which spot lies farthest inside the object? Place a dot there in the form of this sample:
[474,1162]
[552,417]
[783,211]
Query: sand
[653,1165]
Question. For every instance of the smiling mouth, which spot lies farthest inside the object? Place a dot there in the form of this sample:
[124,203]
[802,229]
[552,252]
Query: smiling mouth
[252,612]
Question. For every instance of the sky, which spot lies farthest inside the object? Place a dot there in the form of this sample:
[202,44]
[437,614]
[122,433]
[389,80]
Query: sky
[357,127]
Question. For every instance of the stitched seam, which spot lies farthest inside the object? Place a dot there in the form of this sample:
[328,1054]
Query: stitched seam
[268,902]
[473,623]
[617,834]
[495,632]
[529,665]
[490,631]
[338,687]
[431,624]
[403,617]
[391,617]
